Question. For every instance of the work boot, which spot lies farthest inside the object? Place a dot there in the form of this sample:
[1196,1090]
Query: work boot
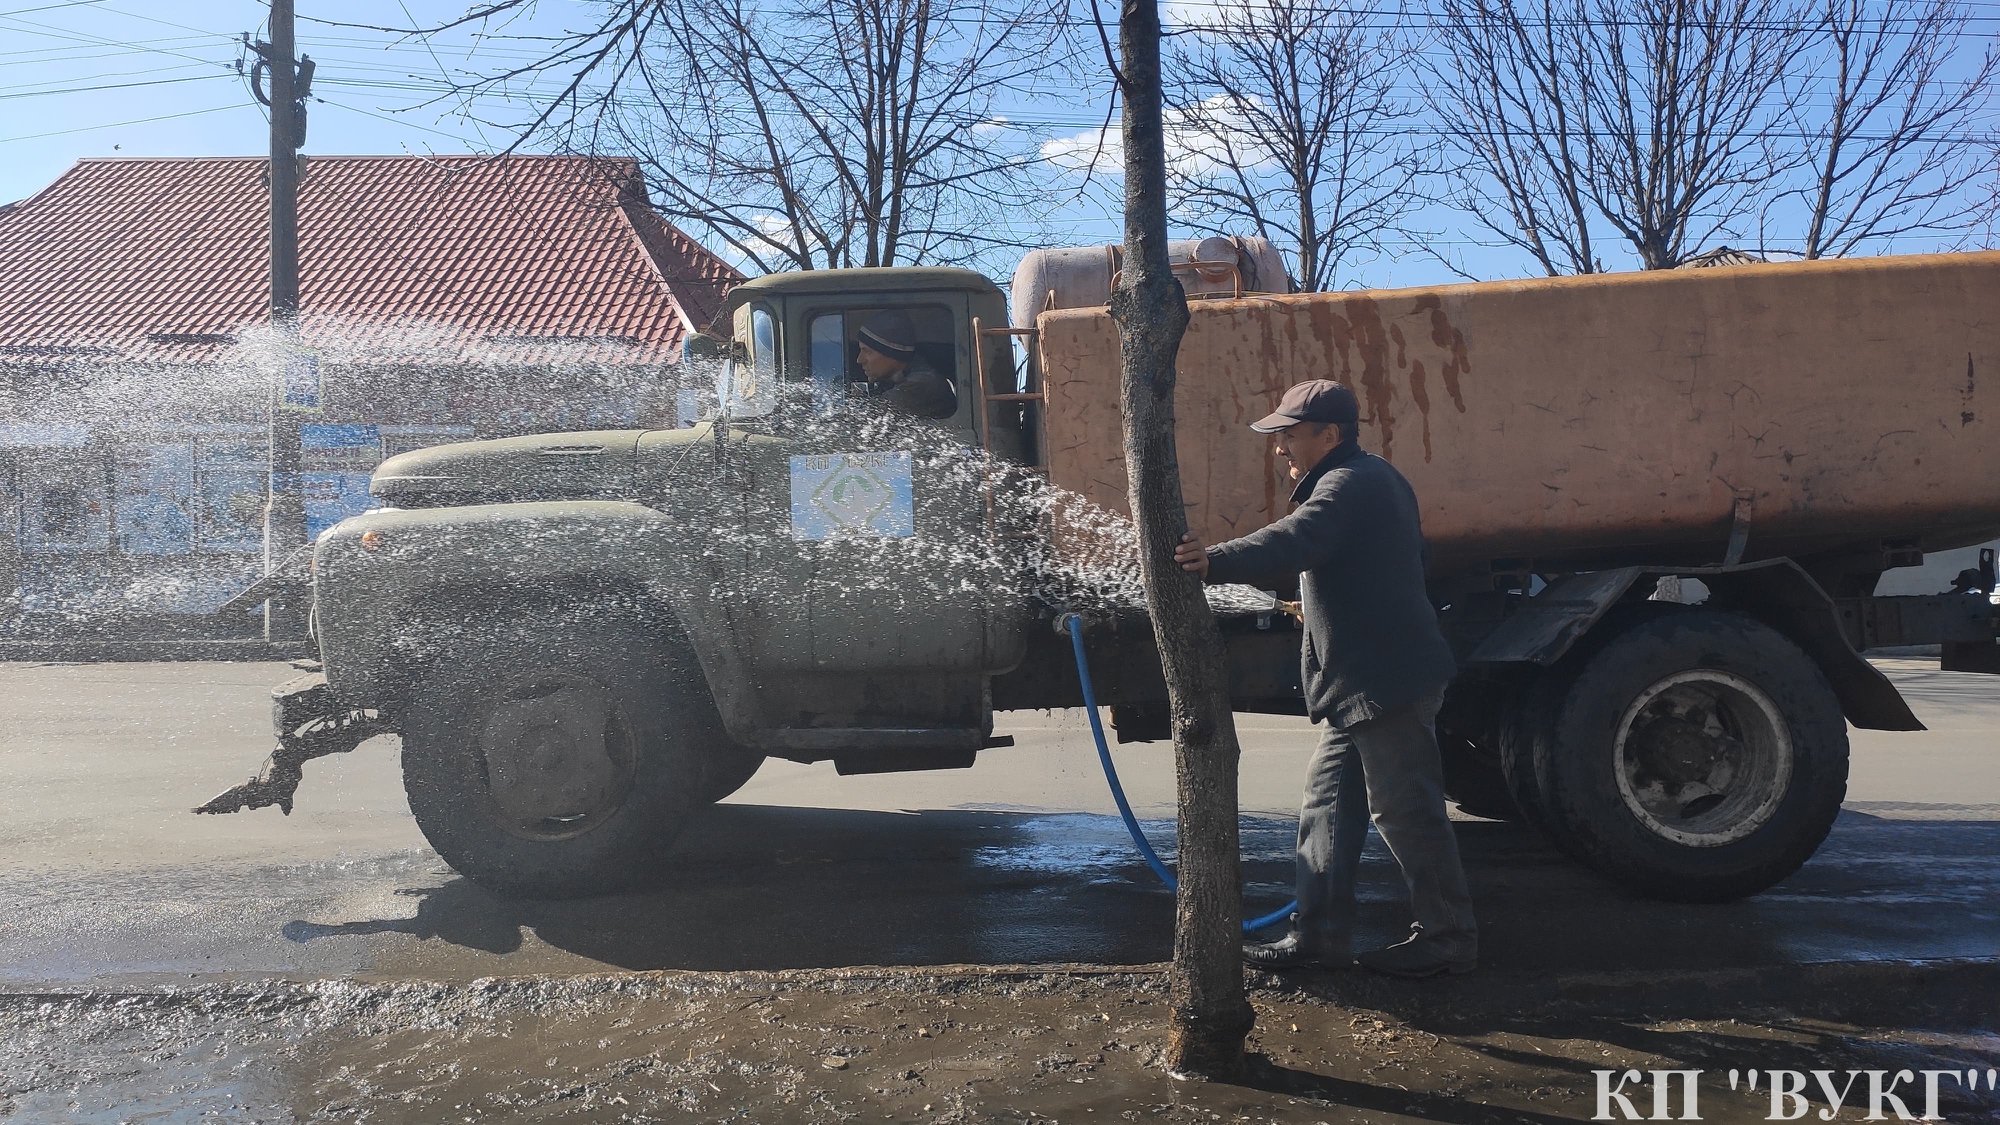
[1293,951]
[1415,958]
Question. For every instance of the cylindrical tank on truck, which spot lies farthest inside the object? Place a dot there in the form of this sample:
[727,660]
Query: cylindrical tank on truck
[1593,453]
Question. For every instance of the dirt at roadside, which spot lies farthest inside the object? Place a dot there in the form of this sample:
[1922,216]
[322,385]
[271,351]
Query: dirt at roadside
[966,1045]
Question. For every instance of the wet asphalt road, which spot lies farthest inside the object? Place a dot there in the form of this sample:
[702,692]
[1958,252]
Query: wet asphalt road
[107,881]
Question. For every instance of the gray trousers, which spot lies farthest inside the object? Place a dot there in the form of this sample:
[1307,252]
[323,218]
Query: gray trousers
[1388,767]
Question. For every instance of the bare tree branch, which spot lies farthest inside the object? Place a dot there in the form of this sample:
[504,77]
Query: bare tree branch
[1888,152]
[803,133]
[1292,130]
[1653,118]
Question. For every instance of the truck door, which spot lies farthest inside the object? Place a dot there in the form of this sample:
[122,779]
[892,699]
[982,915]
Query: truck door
[889,546]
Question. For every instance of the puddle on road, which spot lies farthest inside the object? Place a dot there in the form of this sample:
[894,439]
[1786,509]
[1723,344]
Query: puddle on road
[874,1045]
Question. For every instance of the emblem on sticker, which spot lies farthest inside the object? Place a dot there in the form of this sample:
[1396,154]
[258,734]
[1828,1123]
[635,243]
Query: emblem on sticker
[839,494]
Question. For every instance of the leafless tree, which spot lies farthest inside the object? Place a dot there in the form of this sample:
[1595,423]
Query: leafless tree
[1651,118]
[1883,134]
[801,133]
[1502,88]
[1210,1016]
[1292,129]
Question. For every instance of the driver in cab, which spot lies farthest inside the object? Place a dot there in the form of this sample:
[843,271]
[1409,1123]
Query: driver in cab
[897,374]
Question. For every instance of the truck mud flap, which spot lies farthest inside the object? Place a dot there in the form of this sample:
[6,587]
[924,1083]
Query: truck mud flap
[310,723]
[1776,592]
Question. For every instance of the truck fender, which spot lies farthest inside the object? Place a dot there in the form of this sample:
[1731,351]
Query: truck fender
[1776,592]
[495,555]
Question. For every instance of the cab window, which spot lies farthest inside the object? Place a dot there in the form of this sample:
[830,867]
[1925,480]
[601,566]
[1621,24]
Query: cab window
[763,346]
[834,347]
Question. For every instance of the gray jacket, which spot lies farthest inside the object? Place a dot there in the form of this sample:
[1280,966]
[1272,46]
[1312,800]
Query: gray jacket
[920,391]
[1372,641]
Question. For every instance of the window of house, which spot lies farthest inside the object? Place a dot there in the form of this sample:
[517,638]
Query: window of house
[67,506]
[156,496]
[231,476]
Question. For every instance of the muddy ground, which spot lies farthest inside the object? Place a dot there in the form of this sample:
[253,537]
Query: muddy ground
[980,1044]
[161,968]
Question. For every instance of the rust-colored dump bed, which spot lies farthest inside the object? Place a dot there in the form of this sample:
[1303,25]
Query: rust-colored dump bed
[1588,420]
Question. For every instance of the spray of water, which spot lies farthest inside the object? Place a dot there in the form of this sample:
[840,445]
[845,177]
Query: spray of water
[987,532]
[159,508]
[132,479]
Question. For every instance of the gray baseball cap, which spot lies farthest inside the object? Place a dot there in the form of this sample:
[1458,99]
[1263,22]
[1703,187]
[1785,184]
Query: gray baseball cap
[1316,400]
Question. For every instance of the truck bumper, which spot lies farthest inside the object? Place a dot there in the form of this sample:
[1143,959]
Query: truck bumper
[309,723]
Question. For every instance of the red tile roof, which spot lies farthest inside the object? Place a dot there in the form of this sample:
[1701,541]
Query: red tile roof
[166,258]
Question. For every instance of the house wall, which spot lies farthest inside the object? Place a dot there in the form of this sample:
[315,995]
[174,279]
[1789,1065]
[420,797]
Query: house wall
[138,492]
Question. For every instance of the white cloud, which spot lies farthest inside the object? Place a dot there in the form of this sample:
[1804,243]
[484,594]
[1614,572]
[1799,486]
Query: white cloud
[991,126]
[1096,150]
[1210,16]
[774,226]
[1200,15]
[1194,146]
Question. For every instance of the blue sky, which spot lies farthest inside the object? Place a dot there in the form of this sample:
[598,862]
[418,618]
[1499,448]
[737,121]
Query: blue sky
[142,78]
[81,78]
[150,78]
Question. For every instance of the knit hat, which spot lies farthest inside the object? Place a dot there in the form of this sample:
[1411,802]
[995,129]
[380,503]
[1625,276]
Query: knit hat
[892,334]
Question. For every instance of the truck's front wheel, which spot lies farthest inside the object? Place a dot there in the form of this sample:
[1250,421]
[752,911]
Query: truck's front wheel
[557,762]
[1698,756]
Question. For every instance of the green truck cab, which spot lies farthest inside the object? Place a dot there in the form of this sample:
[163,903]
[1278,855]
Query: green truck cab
[803,327]
[584,637]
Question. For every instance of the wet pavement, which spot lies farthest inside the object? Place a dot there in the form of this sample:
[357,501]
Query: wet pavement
[157,966]
[1016,861]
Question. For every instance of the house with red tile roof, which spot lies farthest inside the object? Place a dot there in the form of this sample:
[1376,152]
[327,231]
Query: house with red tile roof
[441,298]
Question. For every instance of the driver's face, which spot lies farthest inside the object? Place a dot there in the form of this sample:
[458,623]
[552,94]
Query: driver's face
[874,364]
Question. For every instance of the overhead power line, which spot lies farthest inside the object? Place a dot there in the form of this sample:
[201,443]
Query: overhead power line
[48,7]
[108,86]
[120,124]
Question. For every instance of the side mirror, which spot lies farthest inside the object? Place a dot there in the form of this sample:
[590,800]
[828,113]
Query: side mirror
[698,346]
[741,388]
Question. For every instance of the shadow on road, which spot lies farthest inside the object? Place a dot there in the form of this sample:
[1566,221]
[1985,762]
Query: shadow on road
[759,887]
[756,887]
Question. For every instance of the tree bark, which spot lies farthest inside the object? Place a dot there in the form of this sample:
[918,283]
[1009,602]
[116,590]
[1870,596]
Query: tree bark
[1210,1015]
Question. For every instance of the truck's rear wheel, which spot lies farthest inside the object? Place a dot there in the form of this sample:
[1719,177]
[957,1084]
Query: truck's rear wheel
[557,761]
[1524,728]
[730,768]
[1698,756]
[1472,777]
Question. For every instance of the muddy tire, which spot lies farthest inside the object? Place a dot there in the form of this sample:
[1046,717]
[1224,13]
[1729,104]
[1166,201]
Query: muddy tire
[730,768]
[560,756]
[1695,755]
[1473,780]
[1524,727]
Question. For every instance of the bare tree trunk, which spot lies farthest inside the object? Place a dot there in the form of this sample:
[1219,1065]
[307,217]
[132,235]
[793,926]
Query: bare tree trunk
[1210,1015]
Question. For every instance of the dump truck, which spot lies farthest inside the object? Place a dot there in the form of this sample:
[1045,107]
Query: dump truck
[1656,504]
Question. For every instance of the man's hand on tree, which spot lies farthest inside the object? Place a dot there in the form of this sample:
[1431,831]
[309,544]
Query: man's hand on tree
[1192,554]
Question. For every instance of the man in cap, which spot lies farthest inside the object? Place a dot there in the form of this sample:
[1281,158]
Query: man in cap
[887,353]
[1375,667]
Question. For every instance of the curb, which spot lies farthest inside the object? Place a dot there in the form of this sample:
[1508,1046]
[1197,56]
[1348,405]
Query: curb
[93,651]
[1939,992]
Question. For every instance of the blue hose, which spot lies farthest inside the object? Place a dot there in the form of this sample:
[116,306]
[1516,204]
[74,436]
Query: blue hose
[1073,625]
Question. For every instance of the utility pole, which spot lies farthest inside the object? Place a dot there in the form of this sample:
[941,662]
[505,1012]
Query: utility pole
[286,610]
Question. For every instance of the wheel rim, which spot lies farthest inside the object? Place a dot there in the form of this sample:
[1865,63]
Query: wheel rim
[557,755]
[1703,758]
